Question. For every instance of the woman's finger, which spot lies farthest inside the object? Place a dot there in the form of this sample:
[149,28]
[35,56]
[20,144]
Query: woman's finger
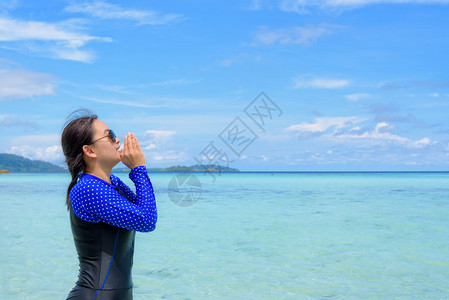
[138,145]
[134,141]
[130,142]
[125,144]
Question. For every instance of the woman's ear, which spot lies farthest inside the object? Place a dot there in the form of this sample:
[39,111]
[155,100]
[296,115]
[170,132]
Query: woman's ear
[88,151]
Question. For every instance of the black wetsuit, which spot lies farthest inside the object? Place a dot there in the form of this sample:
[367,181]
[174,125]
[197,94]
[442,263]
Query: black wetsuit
[105,254]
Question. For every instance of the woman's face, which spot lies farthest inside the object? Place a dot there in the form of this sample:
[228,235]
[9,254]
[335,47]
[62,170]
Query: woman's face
[106,149]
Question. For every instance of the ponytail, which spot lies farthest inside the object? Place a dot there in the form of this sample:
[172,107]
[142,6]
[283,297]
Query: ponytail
[76,167]
[71,185]
[77,133]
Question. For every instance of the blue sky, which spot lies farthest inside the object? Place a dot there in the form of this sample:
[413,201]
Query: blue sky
[360,85]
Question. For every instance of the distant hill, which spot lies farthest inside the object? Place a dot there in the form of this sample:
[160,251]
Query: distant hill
[213,168]
[199,168]
[194,168]
[15,163]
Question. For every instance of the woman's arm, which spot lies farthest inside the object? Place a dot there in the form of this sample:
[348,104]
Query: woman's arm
[124,189]
[94,200]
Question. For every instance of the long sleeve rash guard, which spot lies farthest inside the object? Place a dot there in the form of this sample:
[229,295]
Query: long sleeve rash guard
[95,200]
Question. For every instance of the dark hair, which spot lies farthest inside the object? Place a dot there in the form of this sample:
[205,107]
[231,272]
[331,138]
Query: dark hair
[77,132]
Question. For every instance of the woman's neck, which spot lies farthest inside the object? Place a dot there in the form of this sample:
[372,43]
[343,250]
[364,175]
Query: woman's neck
[100,173]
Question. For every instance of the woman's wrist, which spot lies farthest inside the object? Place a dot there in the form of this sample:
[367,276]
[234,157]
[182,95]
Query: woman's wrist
[138,168]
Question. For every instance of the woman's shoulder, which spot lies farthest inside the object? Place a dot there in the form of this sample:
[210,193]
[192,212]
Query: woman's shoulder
[90,182]
[114,177]
[115,180]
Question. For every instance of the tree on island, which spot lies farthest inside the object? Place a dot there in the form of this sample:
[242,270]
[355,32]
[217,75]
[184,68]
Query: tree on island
[15,163]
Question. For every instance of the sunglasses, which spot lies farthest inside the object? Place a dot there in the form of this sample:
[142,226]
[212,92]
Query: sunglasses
[111,135]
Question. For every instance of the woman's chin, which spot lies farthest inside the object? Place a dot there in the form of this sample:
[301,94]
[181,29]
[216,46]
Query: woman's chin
[116,161]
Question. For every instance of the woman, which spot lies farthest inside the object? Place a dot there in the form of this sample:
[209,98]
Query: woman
[104,212]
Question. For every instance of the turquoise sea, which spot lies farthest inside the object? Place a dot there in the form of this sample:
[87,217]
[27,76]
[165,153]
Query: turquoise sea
[250,236]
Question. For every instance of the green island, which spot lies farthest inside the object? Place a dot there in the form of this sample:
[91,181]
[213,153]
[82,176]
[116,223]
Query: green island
[11,163]
[194,168]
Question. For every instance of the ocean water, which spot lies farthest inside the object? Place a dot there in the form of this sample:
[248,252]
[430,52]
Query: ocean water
[250,236]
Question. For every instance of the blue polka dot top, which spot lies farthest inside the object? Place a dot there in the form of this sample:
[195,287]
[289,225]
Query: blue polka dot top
[95,200]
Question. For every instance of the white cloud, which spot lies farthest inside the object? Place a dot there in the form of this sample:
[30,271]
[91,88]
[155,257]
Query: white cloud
[322,83]
[302,6]
[15,30]
[174,82]
[118,89]
[367,2]
[105,10]
[44,147]
[156,137]
[9,122]
[422,143]
[227,62]
[20,84]
[168,156]
[46,39]
[295,35]
[322,124]
[255,5]
[123,102]
[160,134]
[242,58]
[381,133]
[377,133]
[344,129]
[51,154]
[8,4]
[73,54]
[157,144]
[357,97]
[39,139]
[133,89]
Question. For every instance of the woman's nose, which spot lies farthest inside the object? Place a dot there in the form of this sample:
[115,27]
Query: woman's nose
[117,140]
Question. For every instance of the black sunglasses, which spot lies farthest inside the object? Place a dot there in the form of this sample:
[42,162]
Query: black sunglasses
[111,135]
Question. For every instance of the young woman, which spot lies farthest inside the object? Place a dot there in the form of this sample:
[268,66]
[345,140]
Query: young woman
[104,212]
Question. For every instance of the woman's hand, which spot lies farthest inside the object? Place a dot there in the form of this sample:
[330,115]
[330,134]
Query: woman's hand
[132,155]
